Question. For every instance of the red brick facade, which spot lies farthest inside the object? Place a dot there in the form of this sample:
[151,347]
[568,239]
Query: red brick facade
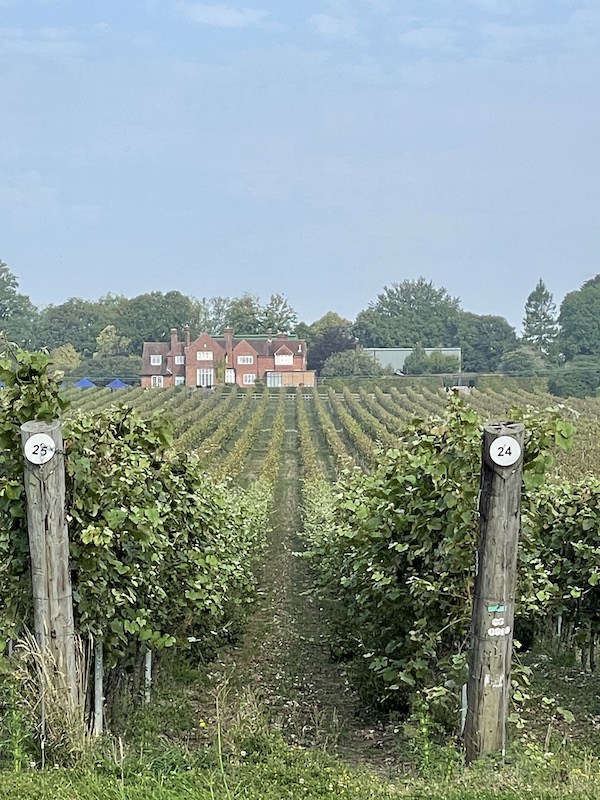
[214,361]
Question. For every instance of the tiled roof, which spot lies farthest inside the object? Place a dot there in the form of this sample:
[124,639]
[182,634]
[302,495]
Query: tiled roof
[154,349]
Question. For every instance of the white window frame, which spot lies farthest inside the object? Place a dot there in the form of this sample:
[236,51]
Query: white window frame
[157,381]
[180,359]
[205,376]
[229,375]
[155,361]
[284,359]
[245,359]
[204,355]
[179,380]
[249,379]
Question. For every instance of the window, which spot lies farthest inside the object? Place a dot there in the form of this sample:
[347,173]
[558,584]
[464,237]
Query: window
[156,361]
[274,379]
[180,359]
[249,379]
[204,355]
[179,380]
[205,377]
[283,359]
[157,381]
[245,359]
[229,376]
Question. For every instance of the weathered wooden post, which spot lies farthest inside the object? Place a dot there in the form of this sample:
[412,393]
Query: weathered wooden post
[49,546]
[493,604]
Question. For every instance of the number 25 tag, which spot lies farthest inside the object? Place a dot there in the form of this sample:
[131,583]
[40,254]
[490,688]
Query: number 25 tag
[39,448]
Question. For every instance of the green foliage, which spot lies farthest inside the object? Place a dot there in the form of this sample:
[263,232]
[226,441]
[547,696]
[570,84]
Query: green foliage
[540,327]
[483,340]
[356,363]
[393,550]
[579,321]
[103,369]
[408,312]
[18,316]
[420,363]
[328,342]
[65,357]
[524,360]
[579,377]
[150,317]
[160,554]
[109,343]
[277,315]
[77,321]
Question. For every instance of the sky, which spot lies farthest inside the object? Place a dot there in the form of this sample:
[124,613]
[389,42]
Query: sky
[321,149]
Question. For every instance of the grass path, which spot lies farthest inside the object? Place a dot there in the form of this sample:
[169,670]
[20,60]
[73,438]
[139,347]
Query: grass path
[282,666]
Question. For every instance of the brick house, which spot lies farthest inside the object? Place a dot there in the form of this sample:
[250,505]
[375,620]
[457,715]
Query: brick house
[213,361]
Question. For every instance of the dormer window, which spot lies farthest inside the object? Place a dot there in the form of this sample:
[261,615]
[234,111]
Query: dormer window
[283,359]
[155,361]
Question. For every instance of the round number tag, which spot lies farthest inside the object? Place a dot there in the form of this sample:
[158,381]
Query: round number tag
[39,448]
[505,451]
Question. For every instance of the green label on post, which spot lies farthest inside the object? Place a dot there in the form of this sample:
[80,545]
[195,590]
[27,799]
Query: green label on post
[496,609]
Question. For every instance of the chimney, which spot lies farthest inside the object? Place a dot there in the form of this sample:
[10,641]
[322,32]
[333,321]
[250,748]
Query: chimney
[174,338]
[228,336]
[281,335]
[186,335]
[269,334]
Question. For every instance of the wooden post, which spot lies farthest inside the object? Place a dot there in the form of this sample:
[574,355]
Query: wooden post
[493,604]
[49,546]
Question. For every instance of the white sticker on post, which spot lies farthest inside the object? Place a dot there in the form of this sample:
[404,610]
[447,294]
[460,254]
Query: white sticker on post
[505,451]
[39,448]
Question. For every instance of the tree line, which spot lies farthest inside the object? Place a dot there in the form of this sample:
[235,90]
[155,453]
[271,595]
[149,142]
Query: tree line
[104,337]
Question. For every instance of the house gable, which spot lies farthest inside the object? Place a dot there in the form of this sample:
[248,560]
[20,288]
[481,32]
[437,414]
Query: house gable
[204,353]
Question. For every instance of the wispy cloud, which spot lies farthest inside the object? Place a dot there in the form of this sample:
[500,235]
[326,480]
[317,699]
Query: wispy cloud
[430,38]
[330,27]
[220,16]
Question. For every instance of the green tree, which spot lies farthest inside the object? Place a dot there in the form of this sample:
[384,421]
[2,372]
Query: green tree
[244,315]
[277,315]
[437,363]
[18,315]
[328,342]
[76,321]
[65,357]
[356,363]
[579,377]
[210,314]
[483,339]
[409,312]
[579,321]
[109,343]
[150,317]
[523,360]
[540,327]
[102,369]
[331,319]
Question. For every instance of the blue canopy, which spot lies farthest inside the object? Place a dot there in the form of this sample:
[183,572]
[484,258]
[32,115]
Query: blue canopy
[85,383]
[117,384]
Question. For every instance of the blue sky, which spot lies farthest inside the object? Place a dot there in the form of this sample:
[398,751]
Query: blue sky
[317,149]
